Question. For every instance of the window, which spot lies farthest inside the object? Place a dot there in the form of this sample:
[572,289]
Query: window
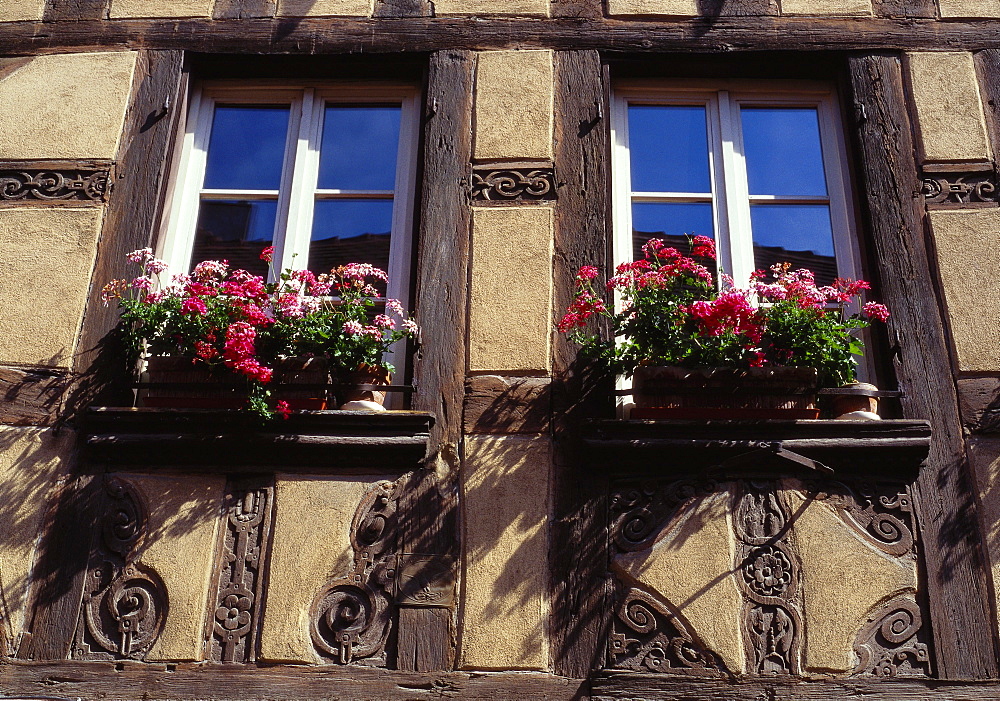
[758,167]
[323,173]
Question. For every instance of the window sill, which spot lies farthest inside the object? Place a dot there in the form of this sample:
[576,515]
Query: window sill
[883,450]
[211,440]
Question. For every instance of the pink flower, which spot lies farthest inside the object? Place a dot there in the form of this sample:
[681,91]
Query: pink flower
[267,254]
[704,247]
[142,283]
[140,256]
[587,272]
[353,328]
[193,305]
[206,351]
[384,322]
[282,408]
[155,266]
[410,327]
[874,310]
[208,269]
[394,306]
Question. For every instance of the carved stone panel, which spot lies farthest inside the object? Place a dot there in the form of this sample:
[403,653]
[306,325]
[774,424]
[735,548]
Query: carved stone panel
[957,186]
[235,615]
[894,643]
[124,604]
[513,182]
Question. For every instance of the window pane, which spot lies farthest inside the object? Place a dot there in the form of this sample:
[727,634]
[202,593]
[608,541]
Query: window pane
[671,221]
[797,234]
[247,148]
[783,151]
[350,231]
[235,230]
[359,146]
[668,148]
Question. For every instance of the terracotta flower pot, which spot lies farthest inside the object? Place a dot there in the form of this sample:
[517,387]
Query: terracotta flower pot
[360,398]
[724,393]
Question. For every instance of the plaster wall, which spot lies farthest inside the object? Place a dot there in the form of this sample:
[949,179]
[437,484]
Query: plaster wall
[511,290]
[968,259]
[513,105]
[536,8]
[327,8]
[33,463]
[969,8]
[950,119]
[312,544]
[826,7]
[180,546]
[665,8]
[48,254]
[505,503]
[16,10]
[121,9]
[65,106]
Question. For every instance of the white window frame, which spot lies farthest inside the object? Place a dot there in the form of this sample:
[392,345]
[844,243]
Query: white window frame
[299,176]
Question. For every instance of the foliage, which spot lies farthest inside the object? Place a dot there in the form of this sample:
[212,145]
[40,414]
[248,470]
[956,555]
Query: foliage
[672,313]
[237,323]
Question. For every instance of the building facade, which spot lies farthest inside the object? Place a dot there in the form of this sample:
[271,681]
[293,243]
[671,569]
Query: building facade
[503,532]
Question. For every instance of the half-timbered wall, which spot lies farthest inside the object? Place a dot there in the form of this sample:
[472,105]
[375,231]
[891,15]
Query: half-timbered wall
[507,522]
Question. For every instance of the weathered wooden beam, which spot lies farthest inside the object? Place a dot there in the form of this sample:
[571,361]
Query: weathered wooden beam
[425,34]
[402,8]
[31,397]
[75,10]
[926,9]
[495,404]
[582,237]
[962,619]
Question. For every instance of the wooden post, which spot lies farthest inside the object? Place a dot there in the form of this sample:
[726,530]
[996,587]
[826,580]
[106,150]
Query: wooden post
[962,619]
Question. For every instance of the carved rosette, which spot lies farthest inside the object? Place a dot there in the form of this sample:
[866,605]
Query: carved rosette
[234,625]
[891,644]
[53,185]
[351,616]
[512,182]
[768,576]
[639,511]
[124,604]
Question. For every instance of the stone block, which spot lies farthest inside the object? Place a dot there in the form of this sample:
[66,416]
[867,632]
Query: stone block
[984,456]
[48,254]
[968,259]
[325,8]
[524,8]
[950,119]
[123,9]
[32,462]
[513,108]
[311,544]
[65,106]
[511,290]
[506,492]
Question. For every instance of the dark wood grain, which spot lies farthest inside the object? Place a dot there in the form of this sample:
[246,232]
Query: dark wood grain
[132,214]
[988,68]
[402,8]
[738,8]
[31,397]
[579,540]
[443,245]
[335,35]
[495,404]
[420,649]
[582,9]
[905,8]
[979,403]
[73,10]
[962,620]
[243,9]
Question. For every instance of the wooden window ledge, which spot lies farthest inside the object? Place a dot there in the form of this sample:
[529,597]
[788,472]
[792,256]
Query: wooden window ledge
[210,440]
[890,449]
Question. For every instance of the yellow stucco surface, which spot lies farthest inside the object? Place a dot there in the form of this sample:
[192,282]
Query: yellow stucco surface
[511,290]
[17,10]
[47,255]
[505,497]
[844,580]
[33,461]
[950,119]
[161,8]
[492,7]
[968,259]
[180,546]
[311,544]
[513,108]
[826,7]
[680,8]
[969,8]
[690,566]
[327,8]
[65,106]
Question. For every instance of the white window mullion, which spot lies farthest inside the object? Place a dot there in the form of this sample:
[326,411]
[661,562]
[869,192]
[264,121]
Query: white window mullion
[734,168]
[716,173]
[621,182]
[286,250]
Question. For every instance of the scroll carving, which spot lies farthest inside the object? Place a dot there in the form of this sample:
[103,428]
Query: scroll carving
[506,182]
[638,512]
[891,644]
[882,514]
[124,603]
[234,624]
[351,616]
[53,185]
[769,577]
[648,636]
[960,188]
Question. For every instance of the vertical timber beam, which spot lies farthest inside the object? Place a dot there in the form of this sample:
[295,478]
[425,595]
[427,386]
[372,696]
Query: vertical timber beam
[988,68]
[133,210]
[430,502]
[961,616]
[75,10]
[579,537]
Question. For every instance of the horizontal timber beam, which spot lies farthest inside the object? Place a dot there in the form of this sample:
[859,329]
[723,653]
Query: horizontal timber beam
[422,34]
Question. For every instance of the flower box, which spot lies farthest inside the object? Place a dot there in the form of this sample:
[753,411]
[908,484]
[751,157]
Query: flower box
[724,393]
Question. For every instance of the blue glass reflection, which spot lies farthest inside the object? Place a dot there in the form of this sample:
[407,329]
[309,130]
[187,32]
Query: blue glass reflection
[247,148]
[673,222]
[350,231]
[783,151]
[358,151]
[235,230]
[798,234]
[668,148]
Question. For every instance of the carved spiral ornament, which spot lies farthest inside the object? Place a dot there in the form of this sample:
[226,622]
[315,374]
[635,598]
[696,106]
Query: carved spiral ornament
[891,644]
[126,617]
[52,185]
[500,183]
